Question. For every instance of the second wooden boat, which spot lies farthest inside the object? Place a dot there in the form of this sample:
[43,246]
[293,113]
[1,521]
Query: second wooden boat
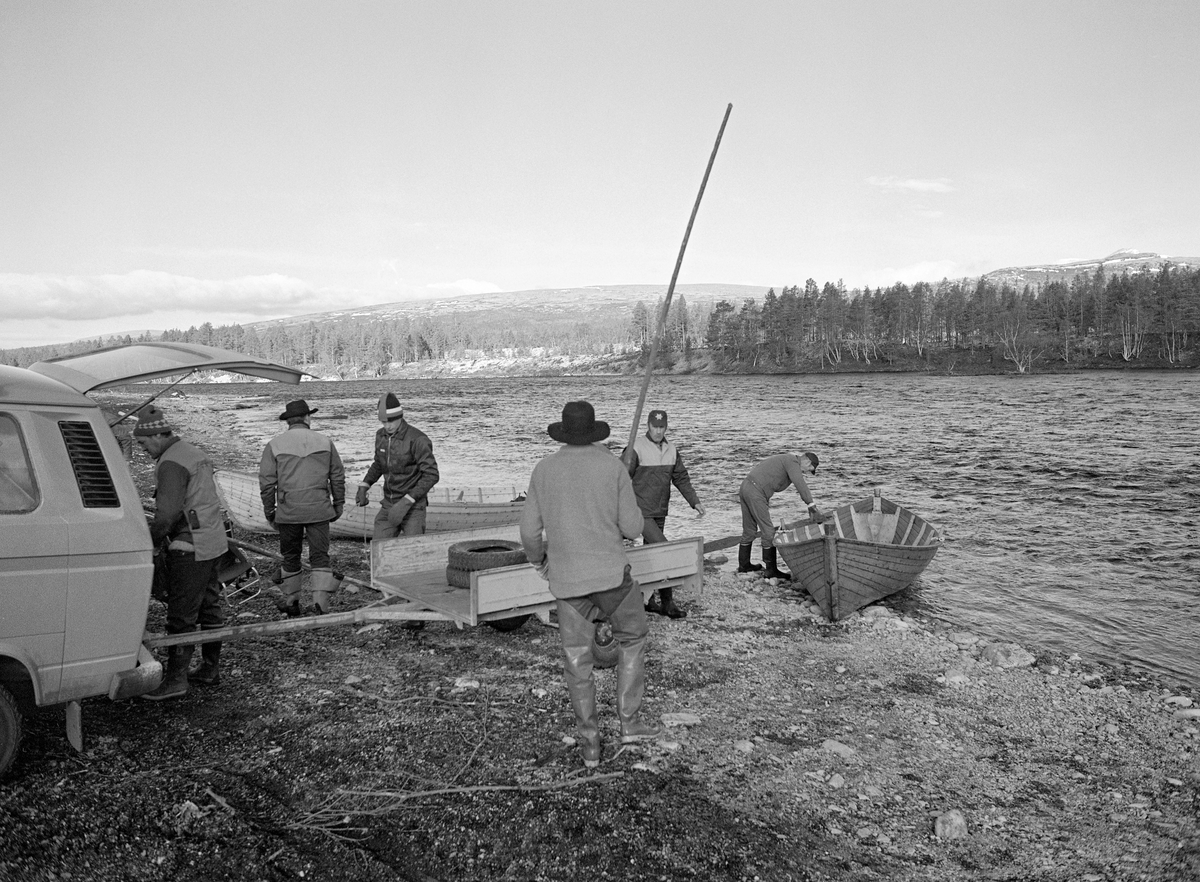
[450,509]
[862,553]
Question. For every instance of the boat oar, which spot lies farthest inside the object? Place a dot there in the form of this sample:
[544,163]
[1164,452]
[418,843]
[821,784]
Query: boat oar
[275,556]
[662,315]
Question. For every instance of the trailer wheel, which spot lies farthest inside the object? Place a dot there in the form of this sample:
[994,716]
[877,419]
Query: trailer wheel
[604,646]
[510,624]
[485,554]
[11,729]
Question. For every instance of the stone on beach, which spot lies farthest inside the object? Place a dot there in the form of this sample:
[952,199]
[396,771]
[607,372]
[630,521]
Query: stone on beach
[950,825]
[1007,655]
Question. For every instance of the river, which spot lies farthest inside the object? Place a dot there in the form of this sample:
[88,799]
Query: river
[1068,503]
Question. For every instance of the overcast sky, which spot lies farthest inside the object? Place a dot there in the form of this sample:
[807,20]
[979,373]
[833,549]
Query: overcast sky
[167,163]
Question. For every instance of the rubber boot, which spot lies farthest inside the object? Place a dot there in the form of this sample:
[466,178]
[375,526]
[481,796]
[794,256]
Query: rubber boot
[771,565]
[209,671]
[290,603]
[631,685]
[323,586]
[667,604]
[175,681]
[654,604]
[577,635]
[744,565]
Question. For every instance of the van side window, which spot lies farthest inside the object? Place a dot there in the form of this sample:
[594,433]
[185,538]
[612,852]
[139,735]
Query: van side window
[18,490]
[96,487]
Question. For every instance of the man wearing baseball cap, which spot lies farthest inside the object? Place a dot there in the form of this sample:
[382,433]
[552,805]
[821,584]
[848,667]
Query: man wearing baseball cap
[655,465]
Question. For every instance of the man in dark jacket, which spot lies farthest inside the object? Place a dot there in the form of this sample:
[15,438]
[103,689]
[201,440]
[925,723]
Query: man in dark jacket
[404,459]
[303,487]
[188,521]
[654,465]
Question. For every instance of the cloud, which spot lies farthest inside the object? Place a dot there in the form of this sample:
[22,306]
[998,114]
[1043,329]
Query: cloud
[143,291]
[915,185]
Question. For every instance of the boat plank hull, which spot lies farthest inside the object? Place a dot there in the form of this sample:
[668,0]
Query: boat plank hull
[449,510]
[877,548]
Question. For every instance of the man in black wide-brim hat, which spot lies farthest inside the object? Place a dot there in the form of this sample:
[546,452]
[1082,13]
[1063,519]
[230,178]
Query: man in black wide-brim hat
[580,509]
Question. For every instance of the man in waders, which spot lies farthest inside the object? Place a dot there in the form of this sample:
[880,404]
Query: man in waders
[303,488]
[771,475]
[187,519]
[580,509]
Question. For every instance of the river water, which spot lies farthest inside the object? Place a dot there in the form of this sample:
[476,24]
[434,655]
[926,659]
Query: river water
[1069,505]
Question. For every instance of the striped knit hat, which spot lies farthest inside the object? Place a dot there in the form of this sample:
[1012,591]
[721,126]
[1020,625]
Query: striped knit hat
[151,421]
[389,407]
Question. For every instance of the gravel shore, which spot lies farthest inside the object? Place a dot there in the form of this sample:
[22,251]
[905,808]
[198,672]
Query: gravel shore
[882,747]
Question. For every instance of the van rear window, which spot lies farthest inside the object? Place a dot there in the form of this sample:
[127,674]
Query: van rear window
[18,490]
[96,487]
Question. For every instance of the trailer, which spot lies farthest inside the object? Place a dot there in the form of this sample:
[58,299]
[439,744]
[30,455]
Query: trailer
[410,574]
[517,592]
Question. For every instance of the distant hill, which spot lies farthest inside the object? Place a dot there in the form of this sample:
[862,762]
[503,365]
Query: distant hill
[1115,264]
[588,305]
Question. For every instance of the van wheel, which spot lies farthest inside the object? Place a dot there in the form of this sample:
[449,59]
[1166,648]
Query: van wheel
[485,554]
[11,729]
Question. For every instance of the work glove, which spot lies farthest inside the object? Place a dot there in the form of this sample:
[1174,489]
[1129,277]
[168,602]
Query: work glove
[337,513]
[360,498]
[270,518]
[397,512]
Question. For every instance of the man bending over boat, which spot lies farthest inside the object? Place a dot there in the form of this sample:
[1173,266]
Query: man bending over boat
[404,459]
[771,475]
[580,509]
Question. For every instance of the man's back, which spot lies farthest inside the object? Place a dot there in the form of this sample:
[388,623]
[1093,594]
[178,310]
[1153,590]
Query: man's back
[582,497]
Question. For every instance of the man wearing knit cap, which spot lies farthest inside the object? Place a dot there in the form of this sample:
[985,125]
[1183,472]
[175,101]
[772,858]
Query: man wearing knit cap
[580,509]
[187,518]
[404,459]
[655,464]
[303,488]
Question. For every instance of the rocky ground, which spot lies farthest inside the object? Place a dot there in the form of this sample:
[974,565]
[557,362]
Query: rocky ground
[882,747]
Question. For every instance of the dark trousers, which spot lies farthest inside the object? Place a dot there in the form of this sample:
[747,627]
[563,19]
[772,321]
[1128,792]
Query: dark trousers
[193,596]
[291,544]
[652,530]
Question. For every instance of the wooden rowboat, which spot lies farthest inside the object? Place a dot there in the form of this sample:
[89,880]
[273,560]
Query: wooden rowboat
[450,509]
[863,552]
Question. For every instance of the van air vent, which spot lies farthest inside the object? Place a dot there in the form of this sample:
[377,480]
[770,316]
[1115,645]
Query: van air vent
[96,487]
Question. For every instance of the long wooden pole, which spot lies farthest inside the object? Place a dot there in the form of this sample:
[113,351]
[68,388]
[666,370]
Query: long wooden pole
[662,315]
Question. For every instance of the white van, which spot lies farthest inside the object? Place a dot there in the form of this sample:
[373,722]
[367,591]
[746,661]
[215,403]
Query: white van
[75,564]
[75,552]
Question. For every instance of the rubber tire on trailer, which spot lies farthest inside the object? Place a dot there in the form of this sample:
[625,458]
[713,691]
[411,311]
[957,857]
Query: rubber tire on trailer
[509,624]
[11,729]
[456,578]
[604,646]
[485,554]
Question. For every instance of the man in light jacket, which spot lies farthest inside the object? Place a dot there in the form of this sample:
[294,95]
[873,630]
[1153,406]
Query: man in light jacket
[303,487]
[580,509]
[190,531]
[655,464]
